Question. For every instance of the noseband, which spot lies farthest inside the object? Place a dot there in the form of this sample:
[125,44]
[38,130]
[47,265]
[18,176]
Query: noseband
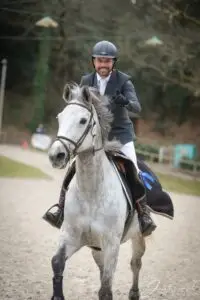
[77,144]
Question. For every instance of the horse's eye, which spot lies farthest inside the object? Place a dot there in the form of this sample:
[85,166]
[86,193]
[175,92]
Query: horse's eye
[83,121]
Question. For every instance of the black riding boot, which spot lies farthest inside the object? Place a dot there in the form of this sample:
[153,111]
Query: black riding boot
[56,218]
[147,225]
[138,191]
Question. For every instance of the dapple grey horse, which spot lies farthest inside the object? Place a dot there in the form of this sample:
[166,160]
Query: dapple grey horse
[96,207]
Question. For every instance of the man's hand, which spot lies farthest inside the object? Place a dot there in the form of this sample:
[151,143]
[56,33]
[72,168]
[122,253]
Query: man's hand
[120,99]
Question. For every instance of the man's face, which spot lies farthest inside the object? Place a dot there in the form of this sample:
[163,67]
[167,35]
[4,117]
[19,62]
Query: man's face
[103,65]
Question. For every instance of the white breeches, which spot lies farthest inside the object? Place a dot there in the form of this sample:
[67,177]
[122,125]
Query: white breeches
[129,150]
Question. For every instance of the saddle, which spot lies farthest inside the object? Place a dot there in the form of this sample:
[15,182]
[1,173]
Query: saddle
[135,187]
[127,172]
[132,185]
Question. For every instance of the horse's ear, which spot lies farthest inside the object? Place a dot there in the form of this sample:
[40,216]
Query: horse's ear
[86,93]
[67,93]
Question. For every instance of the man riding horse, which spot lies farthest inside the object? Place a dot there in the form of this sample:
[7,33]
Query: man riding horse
[120,89]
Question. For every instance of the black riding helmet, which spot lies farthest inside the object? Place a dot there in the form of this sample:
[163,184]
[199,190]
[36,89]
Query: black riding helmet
[104,49]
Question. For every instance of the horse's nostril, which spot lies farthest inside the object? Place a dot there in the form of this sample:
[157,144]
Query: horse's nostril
[60,156]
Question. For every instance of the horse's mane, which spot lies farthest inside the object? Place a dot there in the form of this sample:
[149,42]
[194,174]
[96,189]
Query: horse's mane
[105,116]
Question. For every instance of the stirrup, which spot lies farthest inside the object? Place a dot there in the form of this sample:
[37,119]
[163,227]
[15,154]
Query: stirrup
[54,205]
[48,219]
[146,229]
[149,230]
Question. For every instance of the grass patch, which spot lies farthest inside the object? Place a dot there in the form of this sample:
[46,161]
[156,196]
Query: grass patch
[179,185]
[12,168]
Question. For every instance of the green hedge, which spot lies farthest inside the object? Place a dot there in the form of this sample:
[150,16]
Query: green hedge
[188,164]
[149,149]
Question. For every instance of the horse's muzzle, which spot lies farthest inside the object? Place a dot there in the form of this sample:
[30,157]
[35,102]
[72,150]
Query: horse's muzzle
[58,156]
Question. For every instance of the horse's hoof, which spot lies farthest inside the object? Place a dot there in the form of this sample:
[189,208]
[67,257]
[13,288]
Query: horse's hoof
[134,295]
[57,298]
[105,294]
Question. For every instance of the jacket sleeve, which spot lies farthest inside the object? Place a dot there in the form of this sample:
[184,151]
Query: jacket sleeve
[129,92]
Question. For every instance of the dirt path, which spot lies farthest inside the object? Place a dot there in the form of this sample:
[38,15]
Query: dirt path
[171,266]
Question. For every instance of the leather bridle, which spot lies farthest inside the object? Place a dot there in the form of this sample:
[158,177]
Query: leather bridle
[77,144]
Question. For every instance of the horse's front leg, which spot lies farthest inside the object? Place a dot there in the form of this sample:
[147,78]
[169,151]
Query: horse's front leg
[110,258]
[65,251]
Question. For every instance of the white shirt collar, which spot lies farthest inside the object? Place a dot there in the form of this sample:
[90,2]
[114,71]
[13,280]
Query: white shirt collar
[99,78]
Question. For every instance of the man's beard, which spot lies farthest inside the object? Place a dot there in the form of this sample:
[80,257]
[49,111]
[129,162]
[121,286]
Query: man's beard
[104,71]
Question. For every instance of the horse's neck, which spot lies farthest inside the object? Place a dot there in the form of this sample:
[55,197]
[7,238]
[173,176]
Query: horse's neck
[89,171]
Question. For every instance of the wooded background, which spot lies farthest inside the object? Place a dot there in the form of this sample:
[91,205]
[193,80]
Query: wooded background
[41,60]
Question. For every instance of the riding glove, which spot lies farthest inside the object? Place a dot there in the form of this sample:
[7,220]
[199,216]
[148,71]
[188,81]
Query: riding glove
[120,99]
